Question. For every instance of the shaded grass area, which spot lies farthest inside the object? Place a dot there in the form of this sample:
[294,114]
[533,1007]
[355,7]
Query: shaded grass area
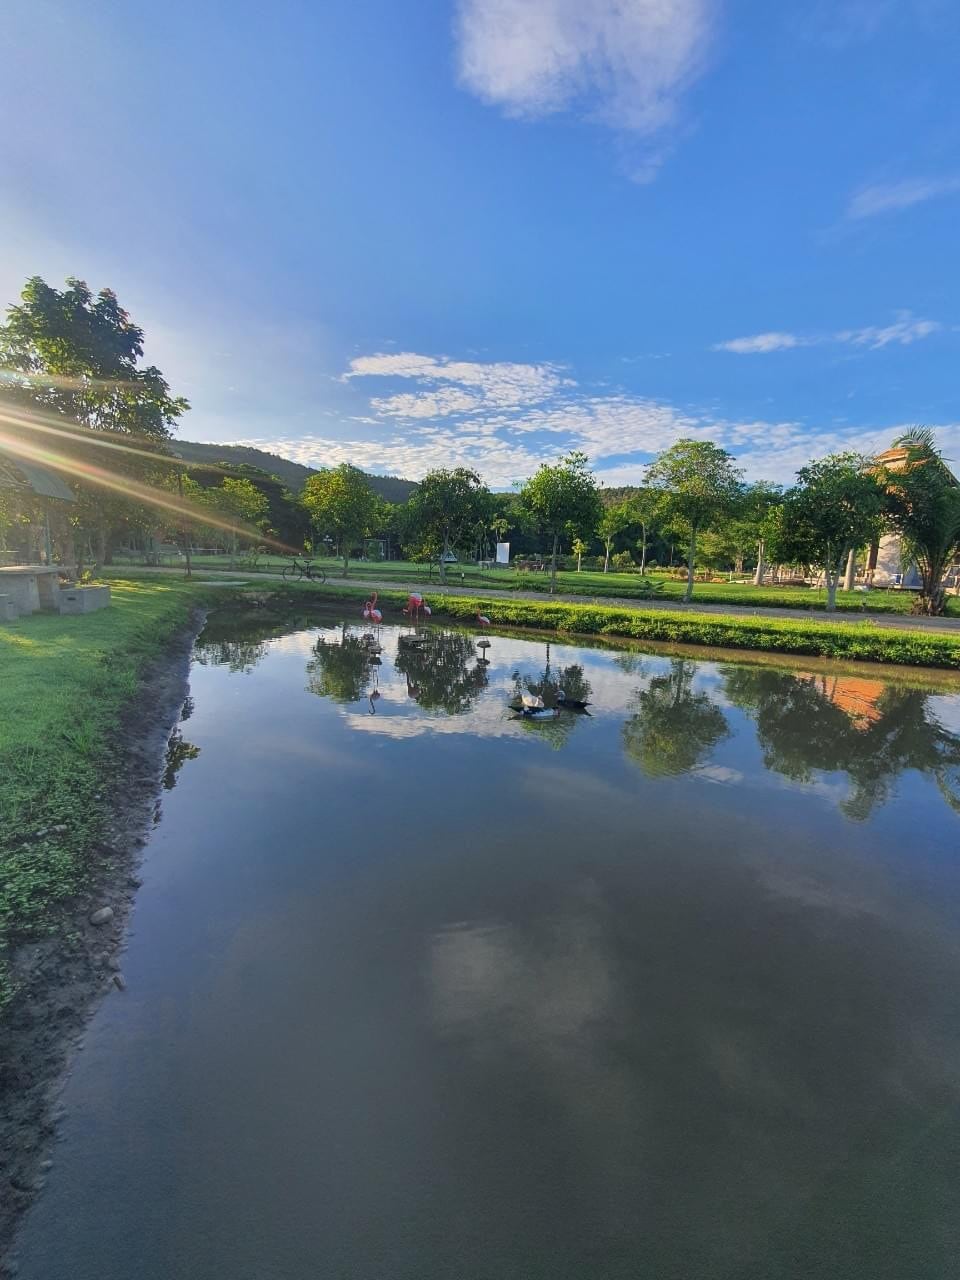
[64,685]
[855,642]
[626,586]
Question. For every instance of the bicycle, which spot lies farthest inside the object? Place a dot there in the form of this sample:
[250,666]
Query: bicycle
[295,571]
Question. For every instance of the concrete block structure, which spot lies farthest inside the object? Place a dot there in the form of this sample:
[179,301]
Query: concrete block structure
[8,609]
[84,599]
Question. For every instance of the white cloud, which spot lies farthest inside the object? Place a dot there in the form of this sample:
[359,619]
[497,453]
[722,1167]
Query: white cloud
[505,419]
[760,343]
[904,331]
[623,63]
[887,197]
[478,385]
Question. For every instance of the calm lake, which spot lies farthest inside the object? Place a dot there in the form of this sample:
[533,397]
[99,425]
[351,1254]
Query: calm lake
[420,990]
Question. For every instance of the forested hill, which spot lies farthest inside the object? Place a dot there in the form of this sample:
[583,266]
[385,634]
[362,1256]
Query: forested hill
[293,474]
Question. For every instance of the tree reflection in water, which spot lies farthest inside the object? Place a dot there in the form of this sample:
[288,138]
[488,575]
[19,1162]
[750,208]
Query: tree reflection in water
[179,751]
[343,670]
[237,637]
[442,672]
[870,730]
[673,727]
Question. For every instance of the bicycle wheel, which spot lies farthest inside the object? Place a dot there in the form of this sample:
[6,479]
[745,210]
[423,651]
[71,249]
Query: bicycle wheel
[317,575]
[291,572]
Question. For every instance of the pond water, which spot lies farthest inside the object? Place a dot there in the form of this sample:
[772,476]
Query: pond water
[418,989]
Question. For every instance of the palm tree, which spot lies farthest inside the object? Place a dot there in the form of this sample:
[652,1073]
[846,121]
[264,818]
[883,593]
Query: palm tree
[923,506]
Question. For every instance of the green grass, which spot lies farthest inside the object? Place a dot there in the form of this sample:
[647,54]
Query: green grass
[64,684]
[594,583]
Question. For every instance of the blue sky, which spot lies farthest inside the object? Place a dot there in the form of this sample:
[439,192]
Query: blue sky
[428,233]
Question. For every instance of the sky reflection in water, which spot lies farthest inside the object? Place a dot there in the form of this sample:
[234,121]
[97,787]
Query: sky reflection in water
[417,989]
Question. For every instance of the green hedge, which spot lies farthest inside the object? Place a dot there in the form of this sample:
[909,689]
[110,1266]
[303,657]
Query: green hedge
[854,641]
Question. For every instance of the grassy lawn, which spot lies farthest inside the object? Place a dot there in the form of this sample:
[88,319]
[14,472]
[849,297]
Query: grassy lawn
[64,683]
[594,583]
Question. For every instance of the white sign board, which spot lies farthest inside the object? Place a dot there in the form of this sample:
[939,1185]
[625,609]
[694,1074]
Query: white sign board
[503,553]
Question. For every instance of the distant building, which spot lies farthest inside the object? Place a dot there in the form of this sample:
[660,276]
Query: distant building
[887,566]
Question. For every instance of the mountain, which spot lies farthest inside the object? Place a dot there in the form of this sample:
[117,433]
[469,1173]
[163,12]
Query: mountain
[293,474]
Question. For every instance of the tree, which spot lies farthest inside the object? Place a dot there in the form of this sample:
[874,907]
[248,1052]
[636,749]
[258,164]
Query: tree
[699,485]
[342,504]
[560,498]
[446,508]
[238,502]
[644,505]
[673,727]
[79,360]
[834,508]
[579,549]
[923,506]
[614,520]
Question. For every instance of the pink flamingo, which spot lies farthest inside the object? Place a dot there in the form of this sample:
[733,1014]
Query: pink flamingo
[370,610]
[416,605]
[483,620]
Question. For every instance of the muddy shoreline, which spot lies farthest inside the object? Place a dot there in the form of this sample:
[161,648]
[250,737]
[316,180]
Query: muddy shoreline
[63,977]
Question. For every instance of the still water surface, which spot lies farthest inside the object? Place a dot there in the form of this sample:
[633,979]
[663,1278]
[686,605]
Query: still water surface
[418,990]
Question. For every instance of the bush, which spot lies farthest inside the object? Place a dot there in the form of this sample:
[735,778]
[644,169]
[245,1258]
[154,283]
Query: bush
[622,561]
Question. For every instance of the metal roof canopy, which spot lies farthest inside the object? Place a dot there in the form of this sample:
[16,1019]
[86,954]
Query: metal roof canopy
[44,483]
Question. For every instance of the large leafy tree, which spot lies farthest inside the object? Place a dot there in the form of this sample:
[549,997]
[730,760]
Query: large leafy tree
[342,505]
[923,506]
[75,360]
[446,510]
[699,486]
[563,498]
[835,507]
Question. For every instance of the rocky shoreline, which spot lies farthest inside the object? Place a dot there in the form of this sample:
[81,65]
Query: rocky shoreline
[62,978]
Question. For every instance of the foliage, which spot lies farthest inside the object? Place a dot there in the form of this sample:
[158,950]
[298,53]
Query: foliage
[613,521]
[342,505]
[446,510]
[922,503]
[699,485]
[562,498]
[834,508]
[79,360]
[293,475]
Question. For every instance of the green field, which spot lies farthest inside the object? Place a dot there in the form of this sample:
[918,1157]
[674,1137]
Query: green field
[64,683]
[592,583]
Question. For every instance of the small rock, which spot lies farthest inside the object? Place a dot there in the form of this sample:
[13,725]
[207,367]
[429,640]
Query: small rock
[60,829]
[113,964]
[102,915]
[120,981]
[46,1165]
[21,1182]
[134,882]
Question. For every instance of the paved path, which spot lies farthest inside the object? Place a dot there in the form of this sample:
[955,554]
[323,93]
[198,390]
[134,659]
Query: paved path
[894,621]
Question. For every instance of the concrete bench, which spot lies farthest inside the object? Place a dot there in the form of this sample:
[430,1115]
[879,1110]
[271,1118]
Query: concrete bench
[8,609]
[84,599]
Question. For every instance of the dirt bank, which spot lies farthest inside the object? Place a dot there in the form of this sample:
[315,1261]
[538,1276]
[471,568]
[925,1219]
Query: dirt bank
[60,979]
